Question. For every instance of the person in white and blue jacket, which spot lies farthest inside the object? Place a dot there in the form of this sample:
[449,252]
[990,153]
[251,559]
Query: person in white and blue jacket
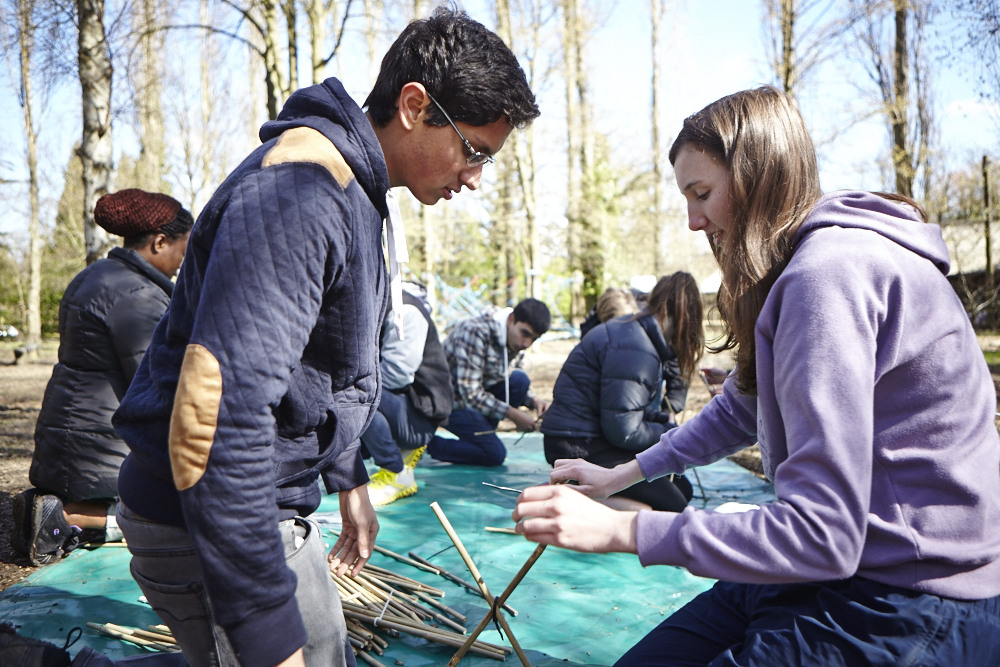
[263,373]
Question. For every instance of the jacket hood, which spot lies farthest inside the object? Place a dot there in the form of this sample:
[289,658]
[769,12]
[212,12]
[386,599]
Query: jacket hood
[499,324]
[895,221]
[328,109]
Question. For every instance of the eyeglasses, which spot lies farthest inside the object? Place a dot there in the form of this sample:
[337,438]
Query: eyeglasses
[476,158]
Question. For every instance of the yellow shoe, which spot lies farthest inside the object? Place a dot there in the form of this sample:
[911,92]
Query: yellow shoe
[387,487]
[411,457]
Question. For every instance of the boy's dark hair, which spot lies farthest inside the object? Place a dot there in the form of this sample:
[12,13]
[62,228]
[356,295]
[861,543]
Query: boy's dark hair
[535,314]
[463,65]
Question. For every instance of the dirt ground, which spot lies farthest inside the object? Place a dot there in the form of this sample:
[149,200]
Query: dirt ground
[22,386]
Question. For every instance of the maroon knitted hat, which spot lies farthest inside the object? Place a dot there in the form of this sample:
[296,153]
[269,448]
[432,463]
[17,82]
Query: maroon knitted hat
[133,212]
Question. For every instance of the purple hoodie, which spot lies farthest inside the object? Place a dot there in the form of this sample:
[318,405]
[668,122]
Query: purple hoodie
[874,416]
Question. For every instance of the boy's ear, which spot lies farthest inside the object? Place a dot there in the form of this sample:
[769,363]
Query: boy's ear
[413,100]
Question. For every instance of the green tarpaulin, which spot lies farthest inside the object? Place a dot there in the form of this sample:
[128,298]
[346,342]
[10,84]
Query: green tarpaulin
[582,609]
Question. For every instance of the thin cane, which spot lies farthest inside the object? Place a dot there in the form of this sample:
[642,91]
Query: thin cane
[478,578]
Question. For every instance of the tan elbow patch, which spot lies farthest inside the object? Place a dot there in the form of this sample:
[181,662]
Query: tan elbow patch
[304,144]
[195,416]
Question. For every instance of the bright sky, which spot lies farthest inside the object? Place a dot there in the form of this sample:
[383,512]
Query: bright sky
[710,48]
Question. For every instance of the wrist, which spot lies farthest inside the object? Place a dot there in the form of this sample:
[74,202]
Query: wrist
[625,540]
[627,474]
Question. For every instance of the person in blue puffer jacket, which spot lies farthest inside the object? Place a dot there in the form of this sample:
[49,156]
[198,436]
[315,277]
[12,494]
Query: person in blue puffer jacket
[606,400]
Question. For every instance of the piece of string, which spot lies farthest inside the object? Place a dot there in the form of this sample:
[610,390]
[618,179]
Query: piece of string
[395,241]
[384,607]
[450,546]
[496,610]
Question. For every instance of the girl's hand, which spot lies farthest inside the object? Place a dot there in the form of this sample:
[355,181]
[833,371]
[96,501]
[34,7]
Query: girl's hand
[594,481]
[563,517]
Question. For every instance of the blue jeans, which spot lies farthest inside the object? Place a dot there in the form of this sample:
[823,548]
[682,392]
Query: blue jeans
[395,426]
[848,622]
[485,449]
[167,569]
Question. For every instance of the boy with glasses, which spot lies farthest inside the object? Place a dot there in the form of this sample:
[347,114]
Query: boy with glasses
[263,373]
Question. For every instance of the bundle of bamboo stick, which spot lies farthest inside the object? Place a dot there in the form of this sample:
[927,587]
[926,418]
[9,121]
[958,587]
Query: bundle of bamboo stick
[380,600]
[375,601]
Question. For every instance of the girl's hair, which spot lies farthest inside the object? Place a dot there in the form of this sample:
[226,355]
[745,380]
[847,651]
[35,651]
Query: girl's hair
[762,140]
[615,302]
[678,298]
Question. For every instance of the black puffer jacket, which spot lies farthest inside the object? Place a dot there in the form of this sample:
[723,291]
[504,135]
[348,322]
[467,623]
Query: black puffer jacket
[609,383]
[106,318]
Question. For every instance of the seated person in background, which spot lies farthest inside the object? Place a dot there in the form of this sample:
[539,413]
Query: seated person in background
[479,351]
[604,401]
[106,318]
[615,302]
[416,399]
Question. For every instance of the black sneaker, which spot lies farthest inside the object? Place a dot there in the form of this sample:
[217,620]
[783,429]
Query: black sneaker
[50,537]
[20,539]
[19,651]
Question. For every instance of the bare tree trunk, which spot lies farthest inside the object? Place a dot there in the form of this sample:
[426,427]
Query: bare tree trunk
[26,44]
[656,11]
[148,88]
[574,188]
[988,224]
[508,167]
[592,214]
[788,71]
[901,154]
[373,19]
[908,112]
[523,148]
[315,13]
[291,22]
[95,148]
[272,72]
[206,100]
[798,38]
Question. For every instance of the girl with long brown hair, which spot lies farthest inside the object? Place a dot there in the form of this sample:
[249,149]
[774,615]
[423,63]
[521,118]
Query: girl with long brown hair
[861,379]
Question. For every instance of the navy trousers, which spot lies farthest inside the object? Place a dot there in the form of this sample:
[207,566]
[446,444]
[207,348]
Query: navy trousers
[396,426]
[849,622]
[484,449]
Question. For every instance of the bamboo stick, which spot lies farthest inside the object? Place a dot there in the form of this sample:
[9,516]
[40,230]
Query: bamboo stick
[365,657]
[478,578]
[535,555]
[461,618]
[405,582]
[506,531]
[432,634]
[394,555]
[458,580]
[129,636]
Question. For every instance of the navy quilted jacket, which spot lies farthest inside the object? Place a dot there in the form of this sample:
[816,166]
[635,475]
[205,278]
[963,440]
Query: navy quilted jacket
[609,383]
[264,372]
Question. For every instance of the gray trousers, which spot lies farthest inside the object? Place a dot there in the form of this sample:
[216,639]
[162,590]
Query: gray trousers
[166,567]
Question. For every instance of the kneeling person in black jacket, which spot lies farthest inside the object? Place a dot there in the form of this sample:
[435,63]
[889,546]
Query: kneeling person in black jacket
[606,400]
[106,319]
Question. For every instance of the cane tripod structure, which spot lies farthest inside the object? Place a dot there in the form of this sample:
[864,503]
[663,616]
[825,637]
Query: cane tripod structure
[495,603]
